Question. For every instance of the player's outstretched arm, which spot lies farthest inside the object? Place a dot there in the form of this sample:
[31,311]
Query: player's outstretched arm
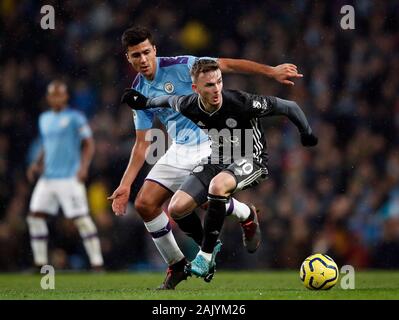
[297,116]
[120,197]
[138,101]
[283,73]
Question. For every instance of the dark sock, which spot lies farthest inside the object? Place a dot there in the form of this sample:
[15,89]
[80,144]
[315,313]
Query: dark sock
[191,225]
[213,221]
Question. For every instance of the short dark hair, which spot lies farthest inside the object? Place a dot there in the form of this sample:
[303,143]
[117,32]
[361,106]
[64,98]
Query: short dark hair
[135,35]
[58,83]
[203,65]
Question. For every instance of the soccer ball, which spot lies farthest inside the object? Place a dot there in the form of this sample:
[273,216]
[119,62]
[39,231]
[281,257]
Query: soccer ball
[319,272]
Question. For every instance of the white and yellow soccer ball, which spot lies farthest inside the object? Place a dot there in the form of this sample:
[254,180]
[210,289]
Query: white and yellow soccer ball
[319,272]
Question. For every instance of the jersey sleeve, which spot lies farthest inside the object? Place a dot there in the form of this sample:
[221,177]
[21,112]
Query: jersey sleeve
[259,106]
[178,103]
[264,106]
[83,127]
[143,119]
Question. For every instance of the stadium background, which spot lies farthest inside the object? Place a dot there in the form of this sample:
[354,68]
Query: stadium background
[341,198]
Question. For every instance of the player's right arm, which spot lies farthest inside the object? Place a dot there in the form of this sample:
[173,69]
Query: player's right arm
[36,168]
[120,196]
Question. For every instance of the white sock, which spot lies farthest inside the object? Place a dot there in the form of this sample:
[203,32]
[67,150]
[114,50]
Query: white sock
[88,232]
[38,239]
[237,209]
[162,235]
[207,256]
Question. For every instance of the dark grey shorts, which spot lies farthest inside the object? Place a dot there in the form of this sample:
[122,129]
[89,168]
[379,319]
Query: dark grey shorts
[246,173]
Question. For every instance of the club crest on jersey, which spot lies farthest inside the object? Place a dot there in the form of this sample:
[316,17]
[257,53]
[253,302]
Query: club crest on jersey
[64,122]
[231,123]
[198,169]
[169,87]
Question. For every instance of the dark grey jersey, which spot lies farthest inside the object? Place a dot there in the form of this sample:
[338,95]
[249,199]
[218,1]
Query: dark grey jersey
[234,128]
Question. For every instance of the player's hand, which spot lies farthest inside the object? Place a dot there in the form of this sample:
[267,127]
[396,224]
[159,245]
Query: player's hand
[82,174]
[134,99]
[284,72]
[33,171]
[120,198]
[309,140]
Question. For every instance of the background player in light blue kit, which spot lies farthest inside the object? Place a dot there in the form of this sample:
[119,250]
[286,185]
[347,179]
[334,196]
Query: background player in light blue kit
[64,160]
[171,75]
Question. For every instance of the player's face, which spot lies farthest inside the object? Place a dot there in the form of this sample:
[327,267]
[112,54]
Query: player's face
[57,96]
[142,57]
[209,86]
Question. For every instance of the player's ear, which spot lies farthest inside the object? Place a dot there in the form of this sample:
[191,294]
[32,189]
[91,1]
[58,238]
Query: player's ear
[155,49]
[194,87]
[127,57]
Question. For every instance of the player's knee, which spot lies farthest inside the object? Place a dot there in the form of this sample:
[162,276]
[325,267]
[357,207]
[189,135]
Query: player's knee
[85,225]
[218,187]
[145,206]
[37,225]
[177,208]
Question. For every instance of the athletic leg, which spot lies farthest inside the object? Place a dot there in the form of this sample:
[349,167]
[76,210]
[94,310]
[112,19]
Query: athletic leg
[71,194]
[148,204]
[220,189]
[38,232]
[43,203]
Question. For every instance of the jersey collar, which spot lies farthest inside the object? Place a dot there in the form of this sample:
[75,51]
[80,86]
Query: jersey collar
[200,106]
[67,108]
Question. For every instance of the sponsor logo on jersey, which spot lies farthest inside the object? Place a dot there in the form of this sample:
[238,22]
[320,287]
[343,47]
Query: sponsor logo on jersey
[258,105]
[169,87]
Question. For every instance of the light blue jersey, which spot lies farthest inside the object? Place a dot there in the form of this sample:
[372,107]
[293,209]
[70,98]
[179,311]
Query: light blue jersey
[172,77]
[61,134]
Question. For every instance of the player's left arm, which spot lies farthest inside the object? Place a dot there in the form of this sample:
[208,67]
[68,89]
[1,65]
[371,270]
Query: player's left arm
[137,101]
[262,106]
[86,157]
[283,73]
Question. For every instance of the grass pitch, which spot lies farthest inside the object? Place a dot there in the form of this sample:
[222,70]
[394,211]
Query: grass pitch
[267,285]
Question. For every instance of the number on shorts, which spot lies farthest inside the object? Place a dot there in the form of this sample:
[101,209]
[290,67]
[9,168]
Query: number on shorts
[245,165]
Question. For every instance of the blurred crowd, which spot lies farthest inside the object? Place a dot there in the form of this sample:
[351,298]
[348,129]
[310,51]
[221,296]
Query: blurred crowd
[340,198]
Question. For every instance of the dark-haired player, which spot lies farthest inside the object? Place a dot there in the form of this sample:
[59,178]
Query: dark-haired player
[229,114]
[158,76]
